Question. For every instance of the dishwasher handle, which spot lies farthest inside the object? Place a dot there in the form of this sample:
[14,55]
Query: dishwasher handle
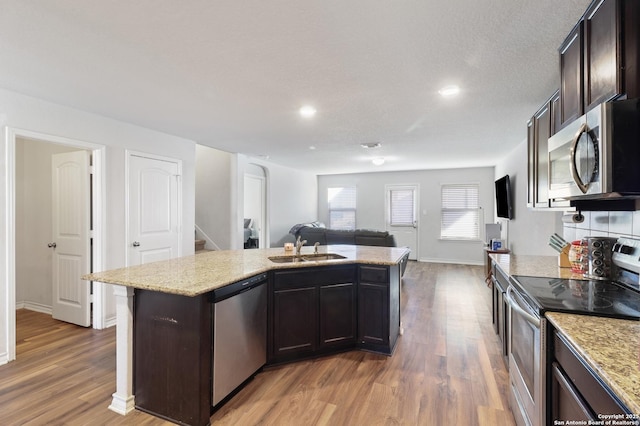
[535,321]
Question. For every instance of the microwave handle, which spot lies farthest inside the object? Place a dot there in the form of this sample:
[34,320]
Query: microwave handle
[574,168]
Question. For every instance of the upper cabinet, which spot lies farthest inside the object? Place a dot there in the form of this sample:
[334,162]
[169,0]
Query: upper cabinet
[603,76]
[599,58]
[571,76]
[540,128]
[599,61]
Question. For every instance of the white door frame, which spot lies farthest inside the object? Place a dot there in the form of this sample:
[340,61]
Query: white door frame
[262,236]
[128,154]
[98,202]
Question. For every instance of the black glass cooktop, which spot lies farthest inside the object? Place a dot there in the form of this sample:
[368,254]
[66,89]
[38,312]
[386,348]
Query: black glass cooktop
[590,297]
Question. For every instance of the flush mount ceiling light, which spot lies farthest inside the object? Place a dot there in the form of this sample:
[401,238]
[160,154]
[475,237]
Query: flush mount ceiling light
[371,145]
[449,91]
[378,161]
[307,111]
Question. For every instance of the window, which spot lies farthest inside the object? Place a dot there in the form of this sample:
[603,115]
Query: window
[460,212]
[342,207]
[402,207]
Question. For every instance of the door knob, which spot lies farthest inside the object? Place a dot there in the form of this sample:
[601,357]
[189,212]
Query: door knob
[51,245]
[136,244]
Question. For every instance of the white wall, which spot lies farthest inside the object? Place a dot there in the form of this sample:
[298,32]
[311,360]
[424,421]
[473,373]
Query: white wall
[292,197]
[22,112]
[34,223]
[370,206]
[213,197]
[528,233]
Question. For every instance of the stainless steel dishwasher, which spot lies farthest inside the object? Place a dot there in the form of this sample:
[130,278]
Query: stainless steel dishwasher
[239,334]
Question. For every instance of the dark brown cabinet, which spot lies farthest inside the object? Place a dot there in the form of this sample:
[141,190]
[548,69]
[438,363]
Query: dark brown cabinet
[172,356]
[337,314]
[531,163]
[576,392]
[372,300]
[314,311]
[600,58]
[378,307]
[571,76]
[540,128]
[295,321]
[500,309]
[543,131]
[603,50]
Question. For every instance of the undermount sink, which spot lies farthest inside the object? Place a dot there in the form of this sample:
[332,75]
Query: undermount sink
[322,256]
[286,259]
[316,257]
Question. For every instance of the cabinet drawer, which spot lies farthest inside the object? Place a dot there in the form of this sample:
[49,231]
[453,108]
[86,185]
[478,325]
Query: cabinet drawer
[311,277]
[593,392]
[374,274]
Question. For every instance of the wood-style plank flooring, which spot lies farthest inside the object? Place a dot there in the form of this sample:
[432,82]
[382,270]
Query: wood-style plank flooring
[446,370]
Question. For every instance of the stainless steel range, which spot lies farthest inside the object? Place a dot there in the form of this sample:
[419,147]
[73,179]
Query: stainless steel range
[530,297]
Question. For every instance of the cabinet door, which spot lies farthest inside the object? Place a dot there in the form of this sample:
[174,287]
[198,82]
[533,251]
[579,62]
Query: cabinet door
[602,53]
[571,77]
[373,313]
[531,163]
[566,401]
[554,113]
[542,124]
[337,315]
[295,321]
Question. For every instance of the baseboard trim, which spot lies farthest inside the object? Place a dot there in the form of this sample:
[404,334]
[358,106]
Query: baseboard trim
[110,322]
[34,306]
[452,261]
[4,358]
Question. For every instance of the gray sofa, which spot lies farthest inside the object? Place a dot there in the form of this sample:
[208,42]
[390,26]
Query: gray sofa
[363,237]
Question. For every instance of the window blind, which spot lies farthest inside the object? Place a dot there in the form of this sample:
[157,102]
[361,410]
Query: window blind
[342,207]
[402,207]
[460,212]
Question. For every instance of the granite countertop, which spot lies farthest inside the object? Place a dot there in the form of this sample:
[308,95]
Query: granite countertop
[533,266]
[203,272]
[611,347]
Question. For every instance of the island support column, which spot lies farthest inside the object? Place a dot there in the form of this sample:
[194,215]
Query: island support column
[123,399]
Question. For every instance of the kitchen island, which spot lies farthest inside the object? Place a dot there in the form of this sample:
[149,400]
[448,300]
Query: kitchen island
[165,326]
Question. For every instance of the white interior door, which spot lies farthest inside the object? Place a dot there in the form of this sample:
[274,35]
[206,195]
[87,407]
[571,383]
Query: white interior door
[154,209]
[71,237]
[401,216]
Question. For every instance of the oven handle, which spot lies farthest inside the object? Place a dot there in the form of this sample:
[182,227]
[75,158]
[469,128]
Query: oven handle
[516,306]
[574,167]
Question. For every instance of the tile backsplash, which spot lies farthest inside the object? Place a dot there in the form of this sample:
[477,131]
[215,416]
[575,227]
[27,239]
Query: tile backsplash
[604,224]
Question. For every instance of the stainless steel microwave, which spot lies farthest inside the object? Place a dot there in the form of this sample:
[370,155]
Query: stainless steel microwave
[597,155]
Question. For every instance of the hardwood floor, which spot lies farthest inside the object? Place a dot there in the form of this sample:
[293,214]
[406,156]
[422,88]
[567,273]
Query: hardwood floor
[447,369]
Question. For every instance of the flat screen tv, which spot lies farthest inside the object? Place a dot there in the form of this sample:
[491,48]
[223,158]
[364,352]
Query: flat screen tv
[504,205]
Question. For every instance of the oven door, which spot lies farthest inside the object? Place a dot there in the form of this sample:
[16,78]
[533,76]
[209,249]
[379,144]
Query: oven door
[526,358]
[575,158]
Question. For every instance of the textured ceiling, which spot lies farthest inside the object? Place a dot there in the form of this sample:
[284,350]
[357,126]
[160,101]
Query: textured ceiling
[232,74]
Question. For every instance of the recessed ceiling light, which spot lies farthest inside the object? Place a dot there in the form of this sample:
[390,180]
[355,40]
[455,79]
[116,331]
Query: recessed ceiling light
[371,145]
[449,91]
[379,161]
[307,111]
[312,148]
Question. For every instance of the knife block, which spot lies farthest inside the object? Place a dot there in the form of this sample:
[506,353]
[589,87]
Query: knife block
[563,257]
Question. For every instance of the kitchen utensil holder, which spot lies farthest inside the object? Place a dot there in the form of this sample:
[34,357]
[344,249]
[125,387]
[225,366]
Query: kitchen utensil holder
[563,257]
